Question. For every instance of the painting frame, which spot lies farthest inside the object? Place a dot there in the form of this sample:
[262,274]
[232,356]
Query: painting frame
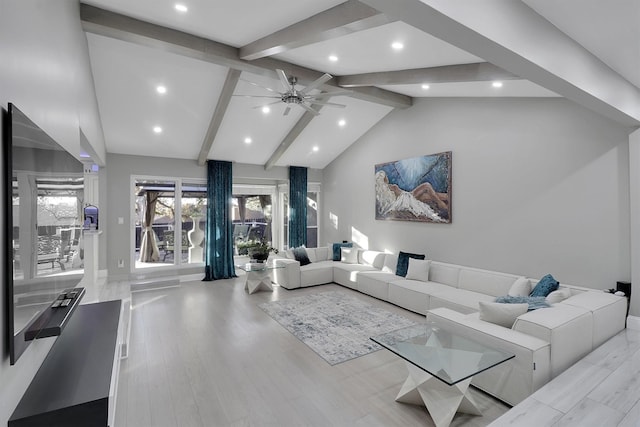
[416,189]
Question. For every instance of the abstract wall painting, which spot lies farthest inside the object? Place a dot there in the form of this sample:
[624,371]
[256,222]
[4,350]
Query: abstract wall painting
[415,189]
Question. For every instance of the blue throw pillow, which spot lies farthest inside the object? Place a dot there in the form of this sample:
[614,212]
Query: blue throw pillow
[403,262]
[300,254]
[545,286]
[534,302]
[336,250]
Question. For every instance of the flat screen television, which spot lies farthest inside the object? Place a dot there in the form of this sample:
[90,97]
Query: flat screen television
[44,192]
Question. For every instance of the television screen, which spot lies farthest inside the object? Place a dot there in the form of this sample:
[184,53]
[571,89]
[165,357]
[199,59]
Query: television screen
[45,192]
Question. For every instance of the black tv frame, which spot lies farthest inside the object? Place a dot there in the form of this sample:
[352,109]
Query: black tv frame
[51,321]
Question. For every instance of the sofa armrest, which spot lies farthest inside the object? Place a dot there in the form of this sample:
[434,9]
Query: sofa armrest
[513,380]
[568,329]
[286,273]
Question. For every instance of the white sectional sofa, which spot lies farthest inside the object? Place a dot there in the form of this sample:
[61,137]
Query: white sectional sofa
[545,341]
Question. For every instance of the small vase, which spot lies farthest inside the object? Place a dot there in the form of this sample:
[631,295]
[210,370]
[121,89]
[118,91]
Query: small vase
[195,236]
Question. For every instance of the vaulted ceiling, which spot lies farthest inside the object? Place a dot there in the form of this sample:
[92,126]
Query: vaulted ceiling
[209,57]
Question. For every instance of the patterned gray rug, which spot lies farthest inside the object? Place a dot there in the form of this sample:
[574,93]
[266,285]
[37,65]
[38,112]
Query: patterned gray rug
[335,325]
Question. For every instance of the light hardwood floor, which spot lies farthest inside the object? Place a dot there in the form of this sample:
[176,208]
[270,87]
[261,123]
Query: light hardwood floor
[601,390]
[204,354]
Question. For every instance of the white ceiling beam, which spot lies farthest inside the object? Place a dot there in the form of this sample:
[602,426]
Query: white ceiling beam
[295,131]
[343,19]
[481,71]
[221,108]
[512,36]
[121,27]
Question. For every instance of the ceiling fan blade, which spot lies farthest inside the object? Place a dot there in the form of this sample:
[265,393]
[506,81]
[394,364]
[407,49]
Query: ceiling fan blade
[260,96]
[286,110]
[330,104]
[316,83]
[284,80]
[260,86]
[309,109]
[333,93]
[264,105]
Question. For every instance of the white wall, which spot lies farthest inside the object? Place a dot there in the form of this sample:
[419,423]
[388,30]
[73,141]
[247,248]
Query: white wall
[634,184]
[538,186]
[45,71]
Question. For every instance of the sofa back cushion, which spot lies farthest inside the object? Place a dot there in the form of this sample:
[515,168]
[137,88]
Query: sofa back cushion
[371,258]
[318,254]
[485,282]
[390,263]
[447,274]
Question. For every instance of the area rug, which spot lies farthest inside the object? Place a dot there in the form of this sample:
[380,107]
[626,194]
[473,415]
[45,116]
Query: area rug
[335,325]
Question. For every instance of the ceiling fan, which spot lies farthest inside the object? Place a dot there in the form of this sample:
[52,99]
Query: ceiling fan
[300,97]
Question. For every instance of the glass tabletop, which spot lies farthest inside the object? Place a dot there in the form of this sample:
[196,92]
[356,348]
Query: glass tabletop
[447,356]
[257,266]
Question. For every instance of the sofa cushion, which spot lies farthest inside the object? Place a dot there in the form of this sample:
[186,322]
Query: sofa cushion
[347,274]
[418,269]
[545,286]
[372,258]
[300,255]
[403,262]
[318,254]
[317,273]
[501,314]
[375,283]
[413,295]
[485,282]
[520,288]
[460,300]
[390,263]
[444,273]
[336,249]
[349,255]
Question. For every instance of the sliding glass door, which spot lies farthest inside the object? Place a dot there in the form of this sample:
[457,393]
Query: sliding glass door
[169,222]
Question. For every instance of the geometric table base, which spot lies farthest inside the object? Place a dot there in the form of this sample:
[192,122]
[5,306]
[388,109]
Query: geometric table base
[442,401]
[258,280]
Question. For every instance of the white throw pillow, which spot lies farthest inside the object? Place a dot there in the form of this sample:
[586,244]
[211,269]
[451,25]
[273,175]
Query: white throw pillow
[418,269]
[349,255]
[558,296]
[289,254]
[520,288]
[501,314]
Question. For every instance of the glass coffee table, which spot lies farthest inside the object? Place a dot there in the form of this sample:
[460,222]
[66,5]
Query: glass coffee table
[441,365]
[258,277]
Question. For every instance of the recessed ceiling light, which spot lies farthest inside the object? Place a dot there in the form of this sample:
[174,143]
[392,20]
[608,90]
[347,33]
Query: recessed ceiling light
[161,89]
[333,58]
[496,84]
[248,140]
[425,86]
[397,45]
[157,129]
[181,7]
[342,122]
[266,109]
[315,148]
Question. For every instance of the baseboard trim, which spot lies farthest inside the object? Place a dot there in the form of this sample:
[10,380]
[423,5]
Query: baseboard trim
[633,322]
[191,277]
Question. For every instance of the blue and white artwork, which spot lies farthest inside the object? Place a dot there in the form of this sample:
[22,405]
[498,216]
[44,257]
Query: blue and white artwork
[416,189]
